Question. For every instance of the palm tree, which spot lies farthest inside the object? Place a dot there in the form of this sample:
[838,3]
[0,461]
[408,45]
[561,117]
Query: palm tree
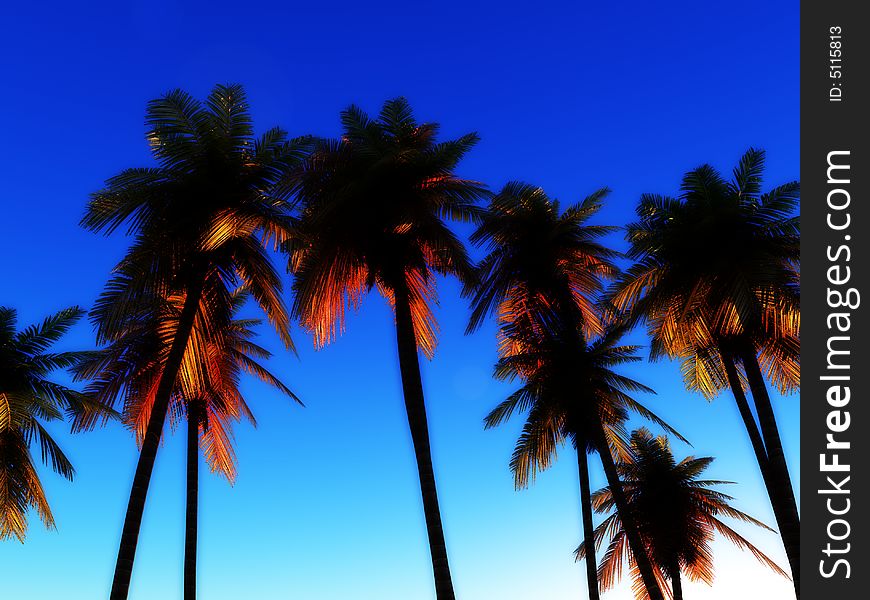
[206,393]
[678,515]
[373,211]
[542,271]
[28,397]
[202,220]
[566,393]
[717,281]
[211,412]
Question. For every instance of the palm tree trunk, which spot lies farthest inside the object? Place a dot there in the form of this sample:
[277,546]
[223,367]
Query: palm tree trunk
[150,444]
[746,414]
[676,582]
[638,550]
[191,516]
[412,387]
[588,529]
[574,323]
[782,492]
[777,502]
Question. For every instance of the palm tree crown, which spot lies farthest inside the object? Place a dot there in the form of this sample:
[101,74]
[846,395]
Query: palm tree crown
[374,206]
[565,393]
[718,265]
[206,213]
[126,374]
[28,397]
[540,259]
[678,514]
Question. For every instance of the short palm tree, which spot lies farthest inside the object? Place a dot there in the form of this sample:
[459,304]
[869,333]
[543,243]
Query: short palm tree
[206,393]
[566,392]
[373,210]
[28,397]
[202,220]
[212,405]
[678,514]
[543,270]
[717,280]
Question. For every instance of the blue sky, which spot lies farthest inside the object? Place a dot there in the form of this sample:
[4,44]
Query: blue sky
[570,96]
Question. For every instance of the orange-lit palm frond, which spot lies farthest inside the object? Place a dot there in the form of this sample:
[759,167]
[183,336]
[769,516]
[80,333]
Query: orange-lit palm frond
[20,487]
[744,544]
[610,568]
[639,589]
[222,365]
[336,284]
[216,443]
[678,515]
[421,295]
[779,359]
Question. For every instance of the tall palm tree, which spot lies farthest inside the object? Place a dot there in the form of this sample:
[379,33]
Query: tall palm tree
[28,397]
[202,220]
[566,393]
[678,515]
[543,270]
[206,393]
[373,210]
[717,281]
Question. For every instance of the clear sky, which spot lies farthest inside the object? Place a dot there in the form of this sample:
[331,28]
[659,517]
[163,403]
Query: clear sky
[570,96]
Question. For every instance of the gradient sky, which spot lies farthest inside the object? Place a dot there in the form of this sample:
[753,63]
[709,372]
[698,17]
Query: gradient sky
[570,96]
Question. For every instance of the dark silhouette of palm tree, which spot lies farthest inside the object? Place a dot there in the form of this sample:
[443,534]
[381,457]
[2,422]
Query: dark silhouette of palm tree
[717,281]
[373,211]
[28,397]
[543,270]
[211,412]
[678,515]
[566,393]
[202,220]
[206,393]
